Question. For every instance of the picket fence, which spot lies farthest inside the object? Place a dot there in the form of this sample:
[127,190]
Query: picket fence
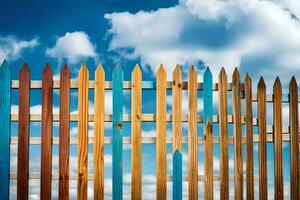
[240,91]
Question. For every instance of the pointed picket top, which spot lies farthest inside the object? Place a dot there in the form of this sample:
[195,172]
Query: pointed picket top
[236,75]
[192,69]
[293,83]
[177,72]
[136,70]
[4,63]
[277,84]
[65,69]
[247,78]
[24,69]
[83,69]
[261,83]
[99,71]
[161,70]
[5,66]
[117,69]
[207,73]
[222,73]
[47,70]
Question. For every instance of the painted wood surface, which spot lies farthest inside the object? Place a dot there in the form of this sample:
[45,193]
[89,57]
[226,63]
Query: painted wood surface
[262,147]
[5,94]
[64,133]
[46,147]
[23,134]
[99,112]
[177,132]
[237,127]
[117,133]
[277,119]
[161,169]
[223,132]
[294,124]
[207,96]
[249,139]
[192,135]
[208,162]
[136,131]
[83,112]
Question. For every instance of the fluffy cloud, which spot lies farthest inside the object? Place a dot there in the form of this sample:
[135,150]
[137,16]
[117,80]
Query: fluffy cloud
[250,36]
[11,48]
[73,47]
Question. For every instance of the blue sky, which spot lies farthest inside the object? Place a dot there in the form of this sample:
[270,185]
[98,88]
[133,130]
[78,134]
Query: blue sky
[259,37]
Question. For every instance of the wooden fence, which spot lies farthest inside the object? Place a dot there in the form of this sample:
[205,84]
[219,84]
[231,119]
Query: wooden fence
[276,133]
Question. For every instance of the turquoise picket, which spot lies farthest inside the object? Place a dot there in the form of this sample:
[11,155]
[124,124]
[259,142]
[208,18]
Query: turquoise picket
[177,175]
[5,81]
[207,96]
[117,132]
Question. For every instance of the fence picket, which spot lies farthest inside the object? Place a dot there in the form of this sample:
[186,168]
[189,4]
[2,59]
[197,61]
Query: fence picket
[192,134]
[177,133]
[23,134]
[161,169]
[64,131]
[5,80]
[262,146]
[223,130]
[117,133]
[238,151]
[136,153]
[249,139]
[207,96]
[208,162]
[46,147]
[277,118]
[99,133]
[294,124]
[83,109]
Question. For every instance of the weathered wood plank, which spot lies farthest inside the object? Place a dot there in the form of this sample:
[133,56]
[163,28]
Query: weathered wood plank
[223,132]
[177,133]
[83,109]
[277,119]
[249,139]
[23,134]
[237,127]
[46,147]
[64,133]
[262,147]
[99,110]
[208,162]
[5,80]
[192,135]
[161,169]
[294,123]
[117,133]
[136,152]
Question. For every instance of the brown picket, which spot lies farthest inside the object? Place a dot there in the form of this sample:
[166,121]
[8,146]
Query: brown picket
[208,163]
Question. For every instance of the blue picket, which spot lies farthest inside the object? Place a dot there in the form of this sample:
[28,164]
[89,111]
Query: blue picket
[207,96]
[5,81]
[117,132]
[177,175]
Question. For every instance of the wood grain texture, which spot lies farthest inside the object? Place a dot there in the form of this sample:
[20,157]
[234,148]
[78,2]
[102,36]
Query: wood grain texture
[136,152]
[117,133]
[5,101]
[237,127]
[223,132]
[294,124]
[23,134]
[177,132]
[192,135]
[208,162]
[64,133]
[207,96]
[262,147]
[249,139]
[277,119]
[83,99]
[161,169]
[99,110]
[46,147]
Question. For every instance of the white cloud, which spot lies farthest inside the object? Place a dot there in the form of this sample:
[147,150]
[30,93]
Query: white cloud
[73,47]
[251,35]
[11,48]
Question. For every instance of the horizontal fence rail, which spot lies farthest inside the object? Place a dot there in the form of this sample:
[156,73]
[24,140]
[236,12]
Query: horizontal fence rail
[238,94]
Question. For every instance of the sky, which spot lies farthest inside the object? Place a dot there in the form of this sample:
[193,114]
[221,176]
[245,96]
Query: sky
[259,37]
